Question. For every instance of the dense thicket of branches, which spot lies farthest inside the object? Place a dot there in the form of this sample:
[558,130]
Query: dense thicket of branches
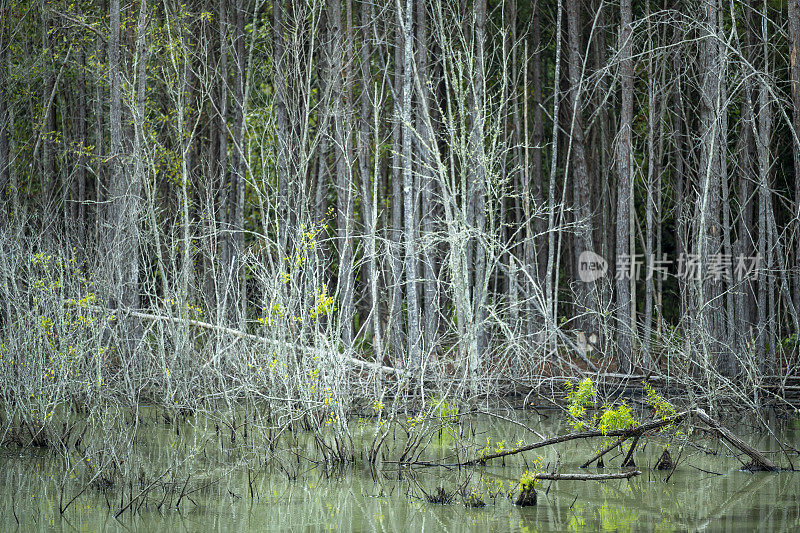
[413,182]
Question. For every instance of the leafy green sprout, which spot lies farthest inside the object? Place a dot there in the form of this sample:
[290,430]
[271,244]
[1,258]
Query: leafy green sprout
[613,417]
[662,408]
[528,480]
[616,417]
[580,398]
[378,407]
[495,488]
[446,410]
[790,343]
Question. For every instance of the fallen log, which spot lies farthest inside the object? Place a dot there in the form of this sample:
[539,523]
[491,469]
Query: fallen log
[527,496]
[587,477]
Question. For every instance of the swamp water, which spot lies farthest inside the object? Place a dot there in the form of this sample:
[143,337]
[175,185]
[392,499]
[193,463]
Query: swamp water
[705,492]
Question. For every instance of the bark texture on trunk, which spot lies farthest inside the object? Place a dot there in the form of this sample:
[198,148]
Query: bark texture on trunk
[624,185]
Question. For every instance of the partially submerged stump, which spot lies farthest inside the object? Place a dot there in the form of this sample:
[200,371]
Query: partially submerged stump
[665,461]
[474,500]
[441,496]
[527,497]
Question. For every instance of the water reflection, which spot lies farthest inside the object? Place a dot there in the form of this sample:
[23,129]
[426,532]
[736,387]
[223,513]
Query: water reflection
[392,499]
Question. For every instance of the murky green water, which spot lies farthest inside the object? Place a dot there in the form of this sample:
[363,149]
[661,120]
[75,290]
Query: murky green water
[706,492]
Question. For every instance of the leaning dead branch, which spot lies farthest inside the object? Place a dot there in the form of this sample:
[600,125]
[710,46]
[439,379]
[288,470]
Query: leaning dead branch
[759,461]
[257,338]
[649,426]
[605,450]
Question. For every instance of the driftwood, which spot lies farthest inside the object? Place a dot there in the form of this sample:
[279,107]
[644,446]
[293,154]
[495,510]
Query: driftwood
[759,460]
[257,338]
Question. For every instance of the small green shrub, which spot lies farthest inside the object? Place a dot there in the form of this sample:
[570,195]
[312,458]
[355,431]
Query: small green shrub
[614,418]
[580,398]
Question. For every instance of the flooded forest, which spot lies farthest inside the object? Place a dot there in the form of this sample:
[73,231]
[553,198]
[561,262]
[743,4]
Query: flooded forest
[443,265]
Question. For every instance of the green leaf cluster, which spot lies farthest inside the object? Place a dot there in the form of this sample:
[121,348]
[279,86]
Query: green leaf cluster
[580,398]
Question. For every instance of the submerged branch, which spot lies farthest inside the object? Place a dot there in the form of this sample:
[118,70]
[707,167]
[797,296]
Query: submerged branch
[649,426]
[759,460]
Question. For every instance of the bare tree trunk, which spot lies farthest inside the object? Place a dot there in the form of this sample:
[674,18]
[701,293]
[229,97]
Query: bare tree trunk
[650,195]
[587,304]
[529,244]
[116,178]
[476,186]
[725,319]
[48,181]
[222,154]
[518,223]
[323,177]
[138,152]
[679,149]
[368,197]
[99,141]
[428,206]
[341,95]
[282,124]
[794,65]
[603,140]
[624,158]
[236,195]
[5,128]
[537,246]
[80,174]
[122,241]
[185,101]
[726,362]
[744,245]
[551,282]
[764,233]
[708,289]
[396,229]
[406,20]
